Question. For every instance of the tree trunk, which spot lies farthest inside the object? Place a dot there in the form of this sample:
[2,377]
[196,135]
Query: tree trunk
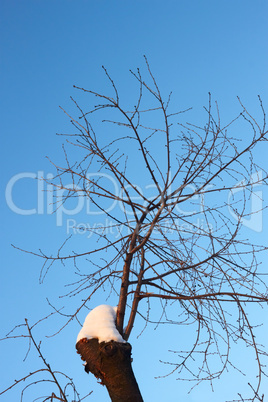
[111,363]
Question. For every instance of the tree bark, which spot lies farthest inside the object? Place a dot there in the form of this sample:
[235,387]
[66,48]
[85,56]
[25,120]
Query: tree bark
[111,363]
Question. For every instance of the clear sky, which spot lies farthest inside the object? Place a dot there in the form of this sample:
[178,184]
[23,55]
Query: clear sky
[194,47]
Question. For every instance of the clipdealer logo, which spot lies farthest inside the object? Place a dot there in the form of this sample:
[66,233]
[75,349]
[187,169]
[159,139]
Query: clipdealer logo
[49,199]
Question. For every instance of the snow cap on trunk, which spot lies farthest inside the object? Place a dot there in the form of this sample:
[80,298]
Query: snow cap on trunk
[100,324]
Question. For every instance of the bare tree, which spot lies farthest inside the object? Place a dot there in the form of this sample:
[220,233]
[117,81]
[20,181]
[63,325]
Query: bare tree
[59,383]
[173,253]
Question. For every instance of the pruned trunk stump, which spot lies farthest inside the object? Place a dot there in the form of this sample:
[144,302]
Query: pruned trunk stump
[111,363]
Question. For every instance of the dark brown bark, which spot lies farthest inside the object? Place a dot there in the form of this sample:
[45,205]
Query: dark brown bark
[111,363]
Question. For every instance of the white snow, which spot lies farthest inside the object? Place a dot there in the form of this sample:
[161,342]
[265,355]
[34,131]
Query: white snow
[100,324]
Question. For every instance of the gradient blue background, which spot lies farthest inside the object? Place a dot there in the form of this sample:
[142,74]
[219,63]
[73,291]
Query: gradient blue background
[47,46]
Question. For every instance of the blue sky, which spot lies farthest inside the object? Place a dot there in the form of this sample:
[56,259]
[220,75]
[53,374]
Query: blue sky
[194,47]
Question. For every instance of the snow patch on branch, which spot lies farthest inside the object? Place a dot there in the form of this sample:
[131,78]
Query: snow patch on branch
[100,324]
